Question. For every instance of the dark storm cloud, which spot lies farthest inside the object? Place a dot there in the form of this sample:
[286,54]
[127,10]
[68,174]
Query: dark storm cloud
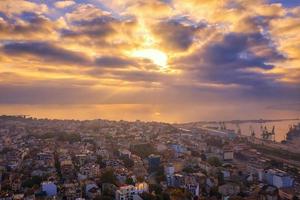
[34,26]
[175,35]
[55,54]
[241,59]
[234,60]
[111,61]
[95,28]
[45,51]
[236,51]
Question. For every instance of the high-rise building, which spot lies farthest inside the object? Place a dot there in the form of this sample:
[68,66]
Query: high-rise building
[153,162]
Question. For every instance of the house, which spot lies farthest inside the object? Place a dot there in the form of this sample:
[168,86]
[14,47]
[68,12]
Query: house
[178,181]
[130,192]
[49,188]
[124,153]
[16,184]
[228,154]
[192,185]
[268,192]
[125,193]
[141,187]
[71,190]
[229,189]
[92,190]
[278,178]
[90,170]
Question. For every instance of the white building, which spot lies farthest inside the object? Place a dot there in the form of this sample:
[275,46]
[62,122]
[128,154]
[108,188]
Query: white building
[228,154]
[130,192]
[125,192]
[90,170]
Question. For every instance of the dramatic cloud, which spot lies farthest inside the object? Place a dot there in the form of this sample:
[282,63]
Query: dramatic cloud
[45,52]
[174,35]
[63,4]
[109,61]
[28,26]
[172,53]
[18,6]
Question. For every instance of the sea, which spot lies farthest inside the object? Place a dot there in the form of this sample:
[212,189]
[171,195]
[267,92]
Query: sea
[281,128]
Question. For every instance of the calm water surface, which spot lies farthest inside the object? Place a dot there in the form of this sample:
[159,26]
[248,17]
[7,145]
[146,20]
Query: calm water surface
[281,128]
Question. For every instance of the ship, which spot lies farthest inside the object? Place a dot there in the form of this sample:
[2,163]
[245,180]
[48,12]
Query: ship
[266,134]
[293,135]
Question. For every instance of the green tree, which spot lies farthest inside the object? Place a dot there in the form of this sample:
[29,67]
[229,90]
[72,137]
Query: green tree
[143,150]
[165,196]
[160,174]
[128,163]
[147,196]
[177,194]
[214,161]
[33,181]
[129,181]
[100,161]
[156,188]
[108,176]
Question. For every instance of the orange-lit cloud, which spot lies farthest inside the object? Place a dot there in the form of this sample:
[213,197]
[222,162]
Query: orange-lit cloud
[155,52]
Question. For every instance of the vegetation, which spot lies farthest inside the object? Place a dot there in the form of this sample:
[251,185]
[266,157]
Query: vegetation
[128,163]
[33,181]
[57,165]
[160,174]
[143,150]
[190,169]
[100,161]
[156,188]
[147,196]
[179,194]
[129,181]
[214,161]
[108,176]
[104,197]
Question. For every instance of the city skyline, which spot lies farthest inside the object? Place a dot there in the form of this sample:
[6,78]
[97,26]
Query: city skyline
[161,60]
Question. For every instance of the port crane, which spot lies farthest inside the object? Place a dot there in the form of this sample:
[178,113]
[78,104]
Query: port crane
[267,135]
[239,132]
[252,132]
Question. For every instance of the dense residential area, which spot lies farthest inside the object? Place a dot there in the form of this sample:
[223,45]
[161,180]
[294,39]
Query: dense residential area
[107,160]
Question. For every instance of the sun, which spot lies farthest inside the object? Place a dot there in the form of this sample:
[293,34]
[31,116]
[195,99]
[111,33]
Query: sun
[156,56]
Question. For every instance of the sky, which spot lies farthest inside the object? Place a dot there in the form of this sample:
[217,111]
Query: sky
[162,60]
